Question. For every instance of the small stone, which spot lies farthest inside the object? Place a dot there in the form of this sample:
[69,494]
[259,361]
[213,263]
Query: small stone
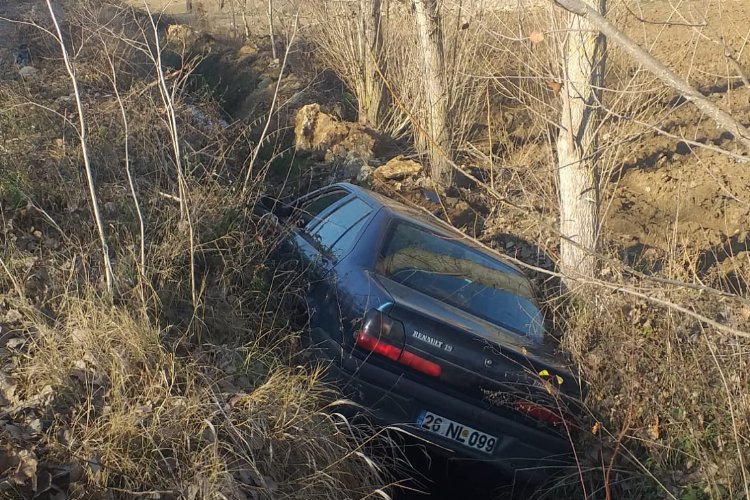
[28,72]
[399,168]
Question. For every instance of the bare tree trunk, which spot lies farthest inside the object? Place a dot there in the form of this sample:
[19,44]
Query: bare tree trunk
[433,64]
[583,72]
[270,28]
[372,98]
[245,22]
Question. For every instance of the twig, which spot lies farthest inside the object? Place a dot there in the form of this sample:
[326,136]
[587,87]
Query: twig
[272,110]
[658,69]
[167,99]
[737,157]
[169,196]
[29,23]
[662,23]
[86,160]
[620,436]
[131,183]
[728,53]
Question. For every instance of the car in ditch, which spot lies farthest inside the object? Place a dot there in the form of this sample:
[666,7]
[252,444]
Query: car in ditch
[428,331]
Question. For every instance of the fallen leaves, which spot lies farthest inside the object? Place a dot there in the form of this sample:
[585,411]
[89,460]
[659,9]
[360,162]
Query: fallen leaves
[18,467]
[536,37]
[653,429]
[555,87]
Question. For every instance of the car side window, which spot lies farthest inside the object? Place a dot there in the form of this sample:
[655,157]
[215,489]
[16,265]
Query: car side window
[346,242]
[309,213]
[337,231]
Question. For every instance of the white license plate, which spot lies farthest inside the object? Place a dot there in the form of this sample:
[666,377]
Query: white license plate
[457,432]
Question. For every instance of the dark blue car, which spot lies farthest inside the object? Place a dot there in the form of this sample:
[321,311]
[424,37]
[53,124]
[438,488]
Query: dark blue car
[430,332]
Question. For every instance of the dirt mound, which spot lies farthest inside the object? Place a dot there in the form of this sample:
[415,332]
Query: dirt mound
[687,202]
[340,150]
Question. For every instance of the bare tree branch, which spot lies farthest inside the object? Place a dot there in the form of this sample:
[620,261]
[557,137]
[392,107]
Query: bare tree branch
[272,111]
[659,70]
[182,185]
[86,160]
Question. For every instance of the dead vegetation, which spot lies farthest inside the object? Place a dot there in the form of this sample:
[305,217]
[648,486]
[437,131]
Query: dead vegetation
[183,382]
[156,391]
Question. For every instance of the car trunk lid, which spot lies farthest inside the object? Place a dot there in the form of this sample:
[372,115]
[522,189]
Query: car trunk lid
[480,361]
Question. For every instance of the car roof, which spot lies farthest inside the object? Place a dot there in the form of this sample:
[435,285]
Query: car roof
[422,218]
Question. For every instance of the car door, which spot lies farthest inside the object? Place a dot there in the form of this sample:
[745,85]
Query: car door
[310,214]
[325,242]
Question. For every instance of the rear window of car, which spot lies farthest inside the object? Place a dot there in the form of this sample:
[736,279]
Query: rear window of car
[451,271]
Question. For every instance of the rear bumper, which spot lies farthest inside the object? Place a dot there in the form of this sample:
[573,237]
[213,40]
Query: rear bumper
[389,399]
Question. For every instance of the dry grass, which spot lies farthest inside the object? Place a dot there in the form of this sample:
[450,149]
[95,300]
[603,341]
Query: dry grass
[99,394]
[148,392]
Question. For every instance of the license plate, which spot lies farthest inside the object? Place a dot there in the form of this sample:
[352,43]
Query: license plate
[460,433]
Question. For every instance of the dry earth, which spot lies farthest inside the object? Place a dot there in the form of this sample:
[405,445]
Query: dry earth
[673,197]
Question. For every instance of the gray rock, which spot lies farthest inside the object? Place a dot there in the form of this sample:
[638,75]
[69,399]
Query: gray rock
[365,174]
[22,56]
[28,72]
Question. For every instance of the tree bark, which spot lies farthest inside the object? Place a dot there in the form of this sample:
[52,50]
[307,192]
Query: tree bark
[669,77]
[372,97]
[270,28]
[433,65]
[583,72]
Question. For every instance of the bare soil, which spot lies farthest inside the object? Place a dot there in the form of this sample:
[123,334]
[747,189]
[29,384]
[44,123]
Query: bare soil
[674,198]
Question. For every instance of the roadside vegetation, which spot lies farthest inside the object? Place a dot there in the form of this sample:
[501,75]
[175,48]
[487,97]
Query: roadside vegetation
[183,381]
[180,373]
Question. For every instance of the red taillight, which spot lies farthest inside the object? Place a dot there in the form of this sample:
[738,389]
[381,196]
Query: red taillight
[420,364]
[397,354]
[539,412]
[366,341]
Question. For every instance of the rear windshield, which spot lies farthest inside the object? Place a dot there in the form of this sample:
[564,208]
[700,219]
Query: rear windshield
[450,271]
